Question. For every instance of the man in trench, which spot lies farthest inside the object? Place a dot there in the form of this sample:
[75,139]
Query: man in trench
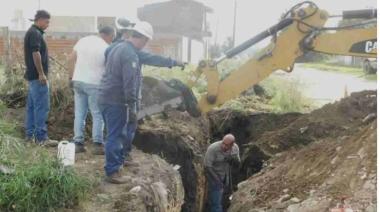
[118,97]
[219,159]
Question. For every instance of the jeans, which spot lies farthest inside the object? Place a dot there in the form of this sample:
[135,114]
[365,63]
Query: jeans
[115,118]
[86,97]
[215,195]
[37,111]
[129,133]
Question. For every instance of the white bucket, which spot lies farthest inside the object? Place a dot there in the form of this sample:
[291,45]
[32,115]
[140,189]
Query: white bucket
[66,153]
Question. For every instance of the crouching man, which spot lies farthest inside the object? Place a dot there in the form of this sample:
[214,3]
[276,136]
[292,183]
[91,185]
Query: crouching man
[219,159]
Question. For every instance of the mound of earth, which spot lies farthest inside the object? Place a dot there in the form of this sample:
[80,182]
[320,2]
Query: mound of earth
[316,160]
[154,185]
[181,140]
[331,121]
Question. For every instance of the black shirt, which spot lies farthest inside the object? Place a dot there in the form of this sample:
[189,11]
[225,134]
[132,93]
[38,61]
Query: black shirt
[33,42]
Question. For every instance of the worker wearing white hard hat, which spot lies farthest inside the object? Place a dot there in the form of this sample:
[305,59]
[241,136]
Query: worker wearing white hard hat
[120,95]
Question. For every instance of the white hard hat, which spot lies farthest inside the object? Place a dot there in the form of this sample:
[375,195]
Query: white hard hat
[124,23]
[144,28]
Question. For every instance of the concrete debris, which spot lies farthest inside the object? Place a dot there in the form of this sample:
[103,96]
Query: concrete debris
[135,189]
[284,198]
[370,117]
[303,129]
[295,200]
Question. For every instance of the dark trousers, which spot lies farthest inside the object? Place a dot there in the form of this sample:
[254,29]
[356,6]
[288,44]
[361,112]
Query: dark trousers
[115,118]
[215,196]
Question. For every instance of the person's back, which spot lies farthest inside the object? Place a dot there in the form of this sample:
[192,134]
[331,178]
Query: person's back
[90,67]
[87,68]
[112,86]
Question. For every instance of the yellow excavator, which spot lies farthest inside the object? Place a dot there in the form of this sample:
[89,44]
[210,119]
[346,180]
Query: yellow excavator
[301,30]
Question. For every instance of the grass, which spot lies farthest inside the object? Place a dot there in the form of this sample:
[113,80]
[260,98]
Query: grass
[41,186]
[286,96]
[356,71]
[37,181]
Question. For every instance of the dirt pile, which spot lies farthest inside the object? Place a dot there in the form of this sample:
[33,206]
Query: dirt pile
[181,140]
[332,120]
[316,160]
[154,185]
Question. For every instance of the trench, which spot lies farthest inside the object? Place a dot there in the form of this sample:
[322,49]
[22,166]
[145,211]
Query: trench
[177,147]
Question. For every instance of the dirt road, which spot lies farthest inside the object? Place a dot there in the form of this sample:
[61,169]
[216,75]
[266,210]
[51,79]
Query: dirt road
[324,86]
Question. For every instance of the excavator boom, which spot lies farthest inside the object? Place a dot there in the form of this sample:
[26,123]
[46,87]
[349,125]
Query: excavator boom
[301,30]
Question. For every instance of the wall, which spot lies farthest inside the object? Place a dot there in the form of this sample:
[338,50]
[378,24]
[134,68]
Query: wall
[61,44]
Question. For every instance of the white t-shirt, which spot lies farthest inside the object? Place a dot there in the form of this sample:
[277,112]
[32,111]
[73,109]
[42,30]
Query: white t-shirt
[90,67]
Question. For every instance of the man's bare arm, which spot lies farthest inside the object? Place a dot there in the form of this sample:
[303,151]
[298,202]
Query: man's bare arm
[38,63]
[71,63]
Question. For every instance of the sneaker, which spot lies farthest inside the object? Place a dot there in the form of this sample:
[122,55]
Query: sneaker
[48,143]
[98,149]
[79,148]
[130,162]
[117,178]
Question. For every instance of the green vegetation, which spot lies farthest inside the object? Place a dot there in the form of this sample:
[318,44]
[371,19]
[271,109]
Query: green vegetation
[356,71]
[32,179]
[286,96]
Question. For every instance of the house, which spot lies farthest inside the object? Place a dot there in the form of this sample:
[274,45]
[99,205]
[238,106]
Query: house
[180,34]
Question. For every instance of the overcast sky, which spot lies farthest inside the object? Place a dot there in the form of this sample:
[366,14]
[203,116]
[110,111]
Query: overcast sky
[252,16]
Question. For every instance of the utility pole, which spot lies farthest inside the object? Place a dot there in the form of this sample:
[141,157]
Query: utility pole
[39,4]
[234,24]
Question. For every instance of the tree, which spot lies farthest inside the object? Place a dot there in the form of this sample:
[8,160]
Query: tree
[217,50]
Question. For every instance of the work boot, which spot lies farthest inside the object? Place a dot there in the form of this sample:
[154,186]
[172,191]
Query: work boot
[129,161]
[117,178]
[98,149]
[79,148]
[48,143]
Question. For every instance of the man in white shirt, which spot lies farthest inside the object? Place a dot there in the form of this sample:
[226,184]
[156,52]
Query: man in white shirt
[87,68]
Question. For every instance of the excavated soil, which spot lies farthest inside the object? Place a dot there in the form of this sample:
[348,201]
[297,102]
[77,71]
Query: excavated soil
[154,185]
[181,140]
[316,160]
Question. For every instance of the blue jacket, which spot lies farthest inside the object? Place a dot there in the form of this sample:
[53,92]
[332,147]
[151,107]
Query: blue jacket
[122,57]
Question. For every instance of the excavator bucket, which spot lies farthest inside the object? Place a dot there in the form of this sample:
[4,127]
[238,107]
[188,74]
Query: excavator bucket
[159,95]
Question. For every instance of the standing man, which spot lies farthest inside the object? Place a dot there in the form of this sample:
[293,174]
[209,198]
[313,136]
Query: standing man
[125,30]
[87,66]
[119,96]
[37,69]
[219,159]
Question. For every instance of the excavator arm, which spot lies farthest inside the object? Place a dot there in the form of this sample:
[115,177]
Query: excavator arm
[301,30]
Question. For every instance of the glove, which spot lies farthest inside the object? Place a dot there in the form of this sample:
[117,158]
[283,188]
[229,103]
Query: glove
[180,64]
[231,159]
